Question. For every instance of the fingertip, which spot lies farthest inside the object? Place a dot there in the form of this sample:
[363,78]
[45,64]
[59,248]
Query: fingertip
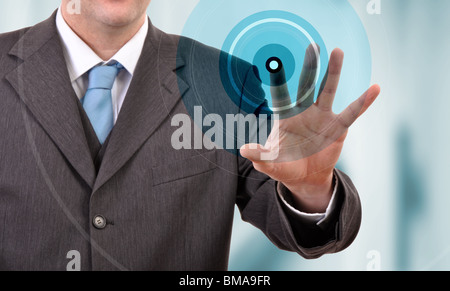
[336,61]
[377,89]
[337,52]
[248,151]
[243,150]
[374,91]
[312,48]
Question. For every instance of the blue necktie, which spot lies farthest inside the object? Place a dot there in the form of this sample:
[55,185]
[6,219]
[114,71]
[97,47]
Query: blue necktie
[98,99]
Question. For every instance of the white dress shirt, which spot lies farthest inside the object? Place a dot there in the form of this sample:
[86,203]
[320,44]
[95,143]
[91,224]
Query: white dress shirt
[80,59]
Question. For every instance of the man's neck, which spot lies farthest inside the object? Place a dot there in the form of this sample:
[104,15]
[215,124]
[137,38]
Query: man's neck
[104,40]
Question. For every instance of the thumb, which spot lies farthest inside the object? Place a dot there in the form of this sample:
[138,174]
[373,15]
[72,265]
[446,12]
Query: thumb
[257,153]
[252,151]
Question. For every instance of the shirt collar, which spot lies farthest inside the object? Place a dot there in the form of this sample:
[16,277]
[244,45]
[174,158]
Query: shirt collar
[80,58]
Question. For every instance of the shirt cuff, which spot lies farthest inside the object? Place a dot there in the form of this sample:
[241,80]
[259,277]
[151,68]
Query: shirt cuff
[316,218]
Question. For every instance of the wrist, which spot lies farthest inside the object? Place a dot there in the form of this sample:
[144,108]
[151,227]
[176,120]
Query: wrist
[314,195]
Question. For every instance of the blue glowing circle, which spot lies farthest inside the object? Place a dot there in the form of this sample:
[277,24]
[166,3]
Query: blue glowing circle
[269,34]
[270,51]
[244,28]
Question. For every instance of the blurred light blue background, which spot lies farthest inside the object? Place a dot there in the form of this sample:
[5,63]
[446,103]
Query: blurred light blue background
[397,154]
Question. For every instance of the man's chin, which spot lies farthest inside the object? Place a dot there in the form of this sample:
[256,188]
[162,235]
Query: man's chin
[119,20]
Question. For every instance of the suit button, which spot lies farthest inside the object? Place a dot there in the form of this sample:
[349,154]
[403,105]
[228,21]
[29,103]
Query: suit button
[99,222]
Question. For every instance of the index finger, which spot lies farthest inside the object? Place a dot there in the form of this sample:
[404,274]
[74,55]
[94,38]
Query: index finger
[281,99]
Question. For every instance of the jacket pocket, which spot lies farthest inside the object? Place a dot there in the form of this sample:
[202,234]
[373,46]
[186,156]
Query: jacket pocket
[181,169]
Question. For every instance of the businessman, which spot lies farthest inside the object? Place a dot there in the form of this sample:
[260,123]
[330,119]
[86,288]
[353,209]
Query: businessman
[87,165]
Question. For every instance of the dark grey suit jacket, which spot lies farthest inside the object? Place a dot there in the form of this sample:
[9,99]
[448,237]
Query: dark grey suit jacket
[165,209]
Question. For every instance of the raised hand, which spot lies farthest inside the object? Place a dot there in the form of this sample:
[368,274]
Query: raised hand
[306,142]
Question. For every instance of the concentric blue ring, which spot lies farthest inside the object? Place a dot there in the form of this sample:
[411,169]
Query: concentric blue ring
[338,25]
[269,34]
[271,51]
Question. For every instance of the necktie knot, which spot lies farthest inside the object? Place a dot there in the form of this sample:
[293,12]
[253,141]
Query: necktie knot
[103,77]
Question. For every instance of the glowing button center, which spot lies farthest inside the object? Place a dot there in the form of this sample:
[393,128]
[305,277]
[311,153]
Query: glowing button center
[274,65]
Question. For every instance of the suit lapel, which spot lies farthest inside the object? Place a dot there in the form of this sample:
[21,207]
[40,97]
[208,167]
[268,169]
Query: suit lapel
[153,93]
[43,84]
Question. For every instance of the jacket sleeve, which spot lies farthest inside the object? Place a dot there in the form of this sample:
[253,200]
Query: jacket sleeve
[260,204]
